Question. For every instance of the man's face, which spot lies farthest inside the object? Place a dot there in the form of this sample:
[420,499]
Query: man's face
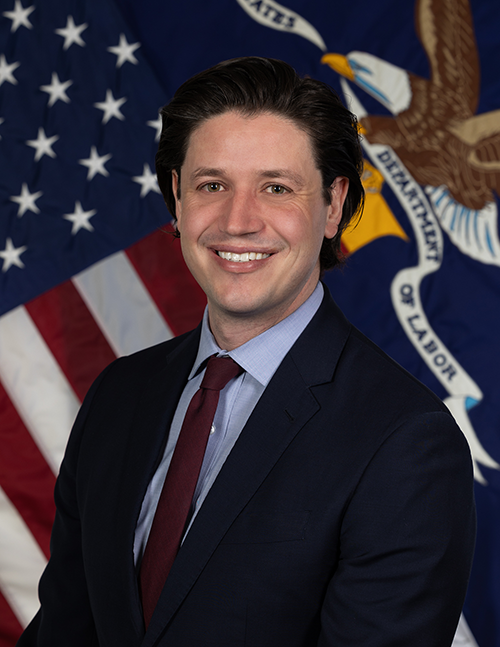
[252,216]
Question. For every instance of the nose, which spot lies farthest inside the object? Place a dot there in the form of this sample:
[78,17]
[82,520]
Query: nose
[242,215]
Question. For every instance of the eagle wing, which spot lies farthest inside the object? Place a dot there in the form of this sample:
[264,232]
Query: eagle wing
[446,32]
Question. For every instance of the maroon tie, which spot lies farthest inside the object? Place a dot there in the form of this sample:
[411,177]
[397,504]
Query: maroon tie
[175,500]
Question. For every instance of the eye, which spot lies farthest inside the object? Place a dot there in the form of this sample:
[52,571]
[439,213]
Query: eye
[277,189]
[212,187]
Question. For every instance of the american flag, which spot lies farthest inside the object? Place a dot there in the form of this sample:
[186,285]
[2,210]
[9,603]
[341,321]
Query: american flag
[79,127]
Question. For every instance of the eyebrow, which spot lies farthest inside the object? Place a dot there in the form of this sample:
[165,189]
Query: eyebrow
[207,171]
[283,174]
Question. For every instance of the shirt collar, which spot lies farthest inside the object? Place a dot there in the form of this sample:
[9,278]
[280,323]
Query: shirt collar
[261,356]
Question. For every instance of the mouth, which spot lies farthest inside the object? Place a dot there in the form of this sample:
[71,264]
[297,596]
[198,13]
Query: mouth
[244,257]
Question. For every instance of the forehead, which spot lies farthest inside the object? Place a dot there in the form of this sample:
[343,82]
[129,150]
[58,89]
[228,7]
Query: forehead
[263,140]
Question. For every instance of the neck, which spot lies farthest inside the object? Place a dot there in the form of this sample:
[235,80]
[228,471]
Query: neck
[232,330]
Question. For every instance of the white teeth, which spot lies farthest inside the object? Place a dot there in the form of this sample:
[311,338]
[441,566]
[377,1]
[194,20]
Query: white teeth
[242,258]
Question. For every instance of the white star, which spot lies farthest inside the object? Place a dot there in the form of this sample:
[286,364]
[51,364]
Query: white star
[26,200]
[147,181]
[43,144]
[72,33]
[57,90]
[6,71]
[11,255]
[124,51]
[111,107]
[1,122]
[157,123]
[95,164]
[19,16]
[80,218]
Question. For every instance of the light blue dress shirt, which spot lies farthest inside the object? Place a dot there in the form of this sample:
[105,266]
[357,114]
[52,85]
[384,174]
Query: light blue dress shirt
[260,358]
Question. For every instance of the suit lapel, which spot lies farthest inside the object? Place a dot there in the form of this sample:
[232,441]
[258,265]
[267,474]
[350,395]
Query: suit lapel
[285,407]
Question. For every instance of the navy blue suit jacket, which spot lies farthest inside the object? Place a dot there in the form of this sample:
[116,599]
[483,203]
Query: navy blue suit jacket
[343,516]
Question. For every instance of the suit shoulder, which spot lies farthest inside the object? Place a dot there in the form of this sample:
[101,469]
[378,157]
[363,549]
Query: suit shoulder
[159,353]
[132,371]
[333,352]
[381,377]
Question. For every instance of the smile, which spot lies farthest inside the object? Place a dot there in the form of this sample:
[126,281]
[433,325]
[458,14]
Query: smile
[244,257]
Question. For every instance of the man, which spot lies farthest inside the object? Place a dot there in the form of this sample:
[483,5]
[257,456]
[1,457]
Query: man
[334,503]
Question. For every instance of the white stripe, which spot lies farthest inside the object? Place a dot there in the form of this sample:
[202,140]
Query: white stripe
[463,636]
[121,305]
[21,562]
[36,385]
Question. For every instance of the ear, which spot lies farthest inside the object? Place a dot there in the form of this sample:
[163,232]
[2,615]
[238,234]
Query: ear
[176,192]
[338,192]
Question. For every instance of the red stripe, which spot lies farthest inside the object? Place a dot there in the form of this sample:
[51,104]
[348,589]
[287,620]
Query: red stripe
[24,474]
[158,261]
[10,629]
[73,336]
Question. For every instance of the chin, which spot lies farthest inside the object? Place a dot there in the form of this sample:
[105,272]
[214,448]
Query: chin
[240,307]
[237,303]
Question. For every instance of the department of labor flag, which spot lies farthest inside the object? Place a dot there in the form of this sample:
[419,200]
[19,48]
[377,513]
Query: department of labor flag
[89,270]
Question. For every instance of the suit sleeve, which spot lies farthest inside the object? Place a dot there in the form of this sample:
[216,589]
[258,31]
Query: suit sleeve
[65,616]
[407,542]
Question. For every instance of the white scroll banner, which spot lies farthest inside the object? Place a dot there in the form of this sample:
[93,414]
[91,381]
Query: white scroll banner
[273,15]
[464,393]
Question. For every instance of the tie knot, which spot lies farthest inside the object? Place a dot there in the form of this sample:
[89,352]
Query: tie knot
[218,373]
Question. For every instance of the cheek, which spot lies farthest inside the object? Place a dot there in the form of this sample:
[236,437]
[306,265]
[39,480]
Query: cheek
[190,235]
[193,221]
[294,225]
[307,229]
